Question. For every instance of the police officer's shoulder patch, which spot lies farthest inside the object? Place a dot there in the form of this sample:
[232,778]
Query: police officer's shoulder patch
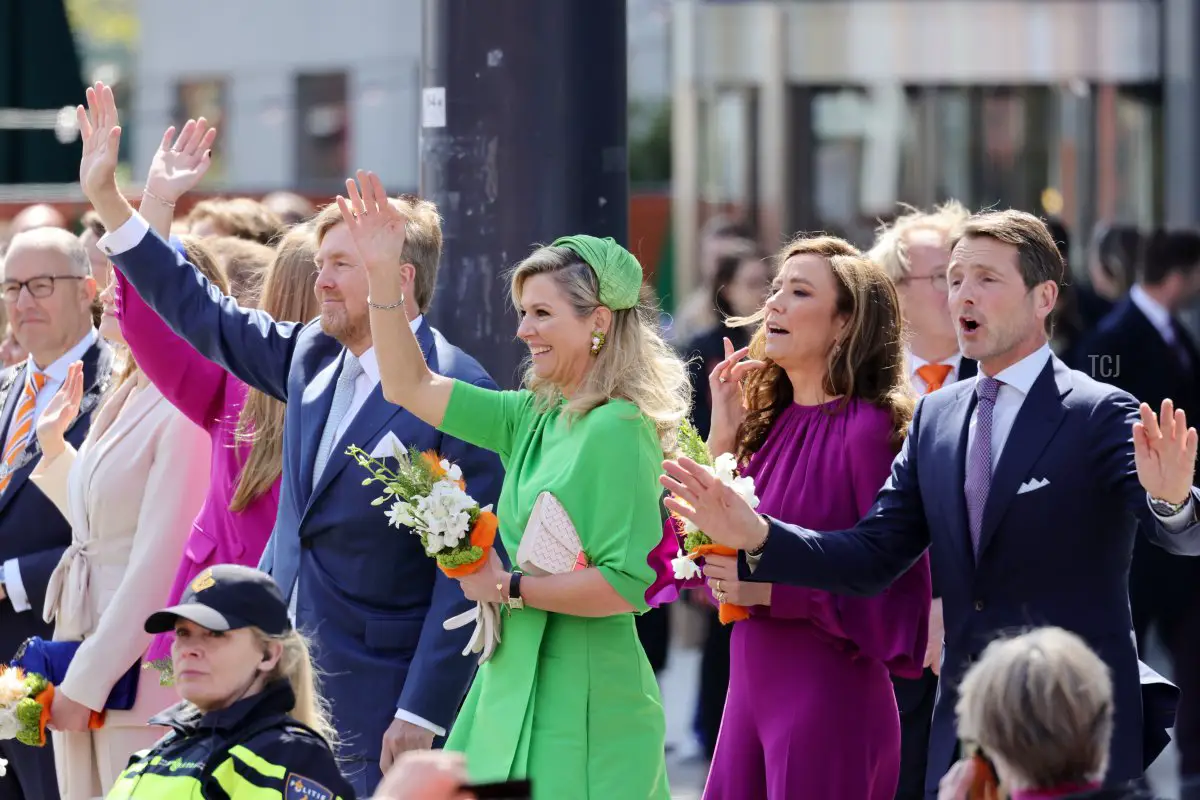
[302,788]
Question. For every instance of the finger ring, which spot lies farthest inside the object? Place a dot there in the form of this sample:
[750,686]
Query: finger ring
[717,586]
[720,597]
[722,379]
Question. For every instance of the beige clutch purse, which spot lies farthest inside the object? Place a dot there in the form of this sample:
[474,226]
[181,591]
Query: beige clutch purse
[550,544]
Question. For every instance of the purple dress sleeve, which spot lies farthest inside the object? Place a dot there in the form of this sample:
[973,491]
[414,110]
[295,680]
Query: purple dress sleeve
[892,626]
[189,381]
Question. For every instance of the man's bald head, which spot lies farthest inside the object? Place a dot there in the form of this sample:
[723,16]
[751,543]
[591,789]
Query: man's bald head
[38,216]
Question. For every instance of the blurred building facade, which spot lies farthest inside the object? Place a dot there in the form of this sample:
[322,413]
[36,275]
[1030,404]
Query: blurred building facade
[810,115]
[306,91]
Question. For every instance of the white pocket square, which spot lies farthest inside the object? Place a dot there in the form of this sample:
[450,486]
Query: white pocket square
[388,446]
[1032,485]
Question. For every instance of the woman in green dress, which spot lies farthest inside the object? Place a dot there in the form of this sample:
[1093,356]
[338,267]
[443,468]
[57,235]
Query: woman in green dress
[569,699]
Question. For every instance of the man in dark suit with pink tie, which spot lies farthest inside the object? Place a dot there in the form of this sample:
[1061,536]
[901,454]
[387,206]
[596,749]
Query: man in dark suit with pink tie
[1027,483]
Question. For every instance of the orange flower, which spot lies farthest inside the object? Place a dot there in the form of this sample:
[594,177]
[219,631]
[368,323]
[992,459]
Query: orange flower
[434,463]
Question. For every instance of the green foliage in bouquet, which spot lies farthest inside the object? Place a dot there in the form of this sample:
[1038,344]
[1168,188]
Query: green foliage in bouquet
[414,475]
[29,712]
[695,448]
[166,671]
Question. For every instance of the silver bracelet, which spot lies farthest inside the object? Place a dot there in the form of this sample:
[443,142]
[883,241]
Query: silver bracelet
[153,196]
[396,304]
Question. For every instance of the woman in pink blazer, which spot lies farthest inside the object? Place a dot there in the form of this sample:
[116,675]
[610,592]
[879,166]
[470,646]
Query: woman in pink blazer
[130,494]
[245,426]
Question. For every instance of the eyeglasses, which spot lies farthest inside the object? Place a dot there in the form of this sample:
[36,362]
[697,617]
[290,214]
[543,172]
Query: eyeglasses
[40,287]
[938,280]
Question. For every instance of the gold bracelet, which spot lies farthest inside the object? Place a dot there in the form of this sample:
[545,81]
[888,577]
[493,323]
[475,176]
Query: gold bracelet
[396,304]
[147,193]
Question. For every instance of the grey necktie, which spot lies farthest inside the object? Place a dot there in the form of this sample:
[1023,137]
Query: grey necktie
[343,393]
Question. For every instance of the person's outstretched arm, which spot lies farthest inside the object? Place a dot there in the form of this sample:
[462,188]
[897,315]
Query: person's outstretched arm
[247,343]
[378,231]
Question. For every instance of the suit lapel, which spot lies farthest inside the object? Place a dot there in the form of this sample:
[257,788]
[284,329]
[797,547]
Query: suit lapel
[957,421]
[318,398]
[1035,425]
[376,413]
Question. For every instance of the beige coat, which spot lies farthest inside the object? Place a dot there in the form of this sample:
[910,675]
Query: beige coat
[131,494]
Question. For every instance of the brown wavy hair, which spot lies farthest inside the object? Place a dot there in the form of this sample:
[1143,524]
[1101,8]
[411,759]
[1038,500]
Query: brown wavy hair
[868,364]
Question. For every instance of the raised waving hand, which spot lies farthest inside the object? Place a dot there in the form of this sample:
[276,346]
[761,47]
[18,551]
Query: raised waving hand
[100,129]
[181,162]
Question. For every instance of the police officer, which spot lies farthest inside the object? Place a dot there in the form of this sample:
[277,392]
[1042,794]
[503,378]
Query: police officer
[251,724]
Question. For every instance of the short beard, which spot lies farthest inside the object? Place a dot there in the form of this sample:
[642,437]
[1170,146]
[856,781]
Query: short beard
[346,329]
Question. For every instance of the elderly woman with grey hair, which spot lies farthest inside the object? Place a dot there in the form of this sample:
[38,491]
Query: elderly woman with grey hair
[1035,715]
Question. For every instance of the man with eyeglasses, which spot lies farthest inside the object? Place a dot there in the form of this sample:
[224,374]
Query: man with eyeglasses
[47,289]
[915,252]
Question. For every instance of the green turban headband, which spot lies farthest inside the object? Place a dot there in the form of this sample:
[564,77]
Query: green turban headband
[618,272]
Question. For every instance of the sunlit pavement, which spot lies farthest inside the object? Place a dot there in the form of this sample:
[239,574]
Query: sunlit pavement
[687,768]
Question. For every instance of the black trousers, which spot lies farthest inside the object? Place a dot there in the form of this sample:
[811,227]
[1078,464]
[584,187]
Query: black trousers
[914,698]
[31,774]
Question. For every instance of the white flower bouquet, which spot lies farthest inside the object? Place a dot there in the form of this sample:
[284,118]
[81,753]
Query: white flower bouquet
[426,494]
[25,701]
[696,543]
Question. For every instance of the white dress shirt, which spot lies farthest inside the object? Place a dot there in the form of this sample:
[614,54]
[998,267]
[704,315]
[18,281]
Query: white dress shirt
[1157,313]
[56,375]
[915,362]
[129,236]
[1016,381]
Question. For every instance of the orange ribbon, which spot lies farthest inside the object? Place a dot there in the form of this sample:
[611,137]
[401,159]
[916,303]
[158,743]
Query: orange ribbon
[727,612]
[483,535]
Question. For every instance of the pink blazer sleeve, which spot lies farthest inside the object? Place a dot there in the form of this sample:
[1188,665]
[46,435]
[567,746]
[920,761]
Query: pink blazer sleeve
[189,381]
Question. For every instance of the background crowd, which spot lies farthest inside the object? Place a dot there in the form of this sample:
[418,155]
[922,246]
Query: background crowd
[162,420]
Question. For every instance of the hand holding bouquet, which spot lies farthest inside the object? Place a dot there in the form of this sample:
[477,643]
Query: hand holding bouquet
[696,543]
[427,494]
[25,700]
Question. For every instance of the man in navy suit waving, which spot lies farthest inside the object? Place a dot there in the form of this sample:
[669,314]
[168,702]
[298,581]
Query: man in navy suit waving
[1027,483]
[372,599]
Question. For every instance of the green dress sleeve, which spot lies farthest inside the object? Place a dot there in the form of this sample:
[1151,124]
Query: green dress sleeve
[614,497]
[485,418]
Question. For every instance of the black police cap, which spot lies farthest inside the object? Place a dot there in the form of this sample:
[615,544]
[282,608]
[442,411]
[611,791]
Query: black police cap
[227,597]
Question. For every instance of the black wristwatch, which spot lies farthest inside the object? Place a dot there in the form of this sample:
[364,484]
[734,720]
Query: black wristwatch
[515,603]
[1165,508]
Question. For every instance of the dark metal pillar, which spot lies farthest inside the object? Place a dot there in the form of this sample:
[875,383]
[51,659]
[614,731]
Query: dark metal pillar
[523,139]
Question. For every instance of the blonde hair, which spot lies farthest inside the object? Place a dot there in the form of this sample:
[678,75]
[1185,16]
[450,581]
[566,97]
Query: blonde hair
[1040,704]
[295,666]
[422,241]
[197,252]
[890,250]
[635,364]
[287,296]
[239,217]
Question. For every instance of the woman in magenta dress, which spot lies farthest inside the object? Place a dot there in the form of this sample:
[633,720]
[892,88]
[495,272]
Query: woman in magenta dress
[820,414]
[245,426]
